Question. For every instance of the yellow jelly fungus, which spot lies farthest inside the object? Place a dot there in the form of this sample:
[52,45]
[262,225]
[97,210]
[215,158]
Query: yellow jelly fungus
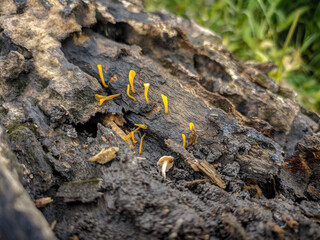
[141,143]
[102,99]
[131,133]
[165,102]
[184,140]
[132,74]
[141,126]
[128,93]
[127,137]
[98,97]
[191,125]
[133,140]
[146,89]
[101,75]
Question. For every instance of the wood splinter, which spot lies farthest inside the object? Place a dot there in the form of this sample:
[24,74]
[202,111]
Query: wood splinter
[197,181]
[41,202]
[196,164]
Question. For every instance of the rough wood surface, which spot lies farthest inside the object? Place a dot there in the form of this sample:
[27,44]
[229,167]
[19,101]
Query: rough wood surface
[18,214]
[252,173]
[196,164]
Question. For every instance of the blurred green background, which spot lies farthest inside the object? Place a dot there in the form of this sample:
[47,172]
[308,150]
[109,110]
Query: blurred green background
[284,32]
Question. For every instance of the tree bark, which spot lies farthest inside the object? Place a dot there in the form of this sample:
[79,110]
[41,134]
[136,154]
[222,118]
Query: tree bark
[250,168]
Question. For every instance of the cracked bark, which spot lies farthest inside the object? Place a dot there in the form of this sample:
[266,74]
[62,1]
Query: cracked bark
[256,145]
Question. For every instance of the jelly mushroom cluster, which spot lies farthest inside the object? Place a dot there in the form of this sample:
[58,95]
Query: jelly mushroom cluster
[166,162]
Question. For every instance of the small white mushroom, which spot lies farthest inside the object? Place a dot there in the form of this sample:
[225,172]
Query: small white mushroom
[166,162]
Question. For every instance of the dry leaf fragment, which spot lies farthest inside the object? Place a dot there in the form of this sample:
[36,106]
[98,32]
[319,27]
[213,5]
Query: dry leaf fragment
[105,156]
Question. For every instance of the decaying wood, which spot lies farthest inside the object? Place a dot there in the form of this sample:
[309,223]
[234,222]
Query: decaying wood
[116,121]
[264,146]
[19,218]
[196,164]
[80,191]
[232,225]
[198,181]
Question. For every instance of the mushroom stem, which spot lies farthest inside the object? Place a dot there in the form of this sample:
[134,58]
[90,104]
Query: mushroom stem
[146,88]
[141,143]
[163,169]
[134,131]
[130,134]
[101,75]
[166,162]
[102,99]
[133,140]
[132,74]
[128,93]
[184,140]
[165,102]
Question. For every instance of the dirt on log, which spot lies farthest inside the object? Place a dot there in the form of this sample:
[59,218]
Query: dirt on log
[250,168]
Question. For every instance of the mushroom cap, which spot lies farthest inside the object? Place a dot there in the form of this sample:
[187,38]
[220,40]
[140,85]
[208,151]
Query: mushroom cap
[168,159]
[191,125]
[164,98]
[141,126]
[132,74]
[98,97]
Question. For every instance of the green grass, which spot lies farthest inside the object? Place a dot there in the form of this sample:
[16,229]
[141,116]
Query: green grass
[260,31]
[308,89]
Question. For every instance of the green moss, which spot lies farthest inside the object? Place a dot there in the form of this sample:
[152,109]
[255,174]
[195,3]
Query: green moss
[23,137]
[21,127]
[43,83]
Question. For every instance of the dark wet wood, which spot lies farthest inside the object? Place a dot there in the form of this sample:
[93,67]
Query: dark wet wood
[196,164]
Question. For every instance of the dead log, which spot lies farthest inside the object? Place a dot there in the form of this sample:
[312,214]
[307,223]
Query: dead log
[19,218]
[262,143]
